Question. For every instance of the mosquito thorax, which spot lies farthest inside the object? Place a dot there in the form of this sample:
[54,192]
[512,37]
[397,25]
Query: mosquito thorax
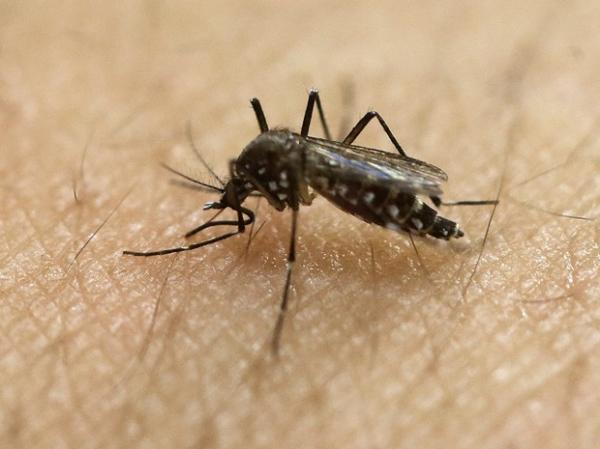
[267,151]
[270,162]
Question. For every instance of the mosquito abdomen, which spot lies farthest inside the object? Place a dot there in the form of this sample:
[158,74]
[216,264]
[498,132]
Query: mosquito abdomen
[423,219]
[398,211]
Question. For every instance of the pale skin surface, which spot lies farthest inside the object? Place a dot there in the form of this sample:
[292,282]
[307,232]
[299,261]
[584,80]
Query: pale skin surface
[378,351]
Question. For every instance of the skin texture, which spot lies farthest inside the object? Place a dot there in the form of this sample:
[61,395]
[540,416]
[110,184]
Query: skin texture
[379,349]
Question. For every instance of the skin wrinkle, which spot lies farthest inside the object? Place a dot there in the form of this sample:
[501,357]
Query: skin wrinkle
[147,340]
[512,129]
[71,382]
[33,319]
[503,416]
[10,253]
[572,384]
[98,229]
[515,74]
[554,261]
[367,420]
[40,233]
[549,212]
[372,314]
[432,368]
[173,323]
[372,351]
[148,337]
[464,290]
[582,143]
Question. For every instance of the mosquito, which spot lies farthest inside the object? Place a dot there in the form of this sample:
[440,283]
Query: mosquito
[289,169]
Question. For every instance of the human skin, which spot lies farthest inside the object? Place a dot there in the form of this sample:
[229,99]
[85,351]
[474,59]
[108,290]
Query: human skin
[464,347]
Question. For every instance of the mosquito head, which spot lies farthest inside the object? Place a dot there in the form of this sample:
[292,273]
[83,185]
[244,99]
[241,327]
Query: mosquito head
[273,163]
[234,194]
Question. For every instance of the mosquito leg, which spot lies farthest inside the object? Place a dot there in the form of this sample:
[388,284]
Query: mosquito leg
[286,290]
[470,203]
[252,228]
[438,202]
[313,97]
[260,115]
[358,128]
[241,224]
[179,249]
[210,224]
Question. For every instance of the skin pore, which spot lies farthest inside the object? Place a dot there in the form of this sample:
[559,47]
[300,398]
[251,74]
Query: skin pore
[455,347]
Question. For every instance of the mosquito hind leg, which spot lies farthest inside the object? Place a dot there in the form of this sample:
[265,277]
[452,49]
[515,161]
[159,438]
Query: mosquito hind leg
[465,203]
[437,201]
[363,122]
[313,97]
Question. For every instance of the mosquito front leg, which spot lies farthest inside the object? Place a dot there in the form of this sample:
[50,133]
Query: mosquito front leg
[360,126]
[241,223]
[313,97]
[210,224]
[179,249]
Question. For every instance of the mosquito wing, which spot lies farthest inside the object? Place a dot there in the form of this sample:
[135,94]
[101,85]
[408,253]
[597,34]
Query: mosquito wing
[352,164]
